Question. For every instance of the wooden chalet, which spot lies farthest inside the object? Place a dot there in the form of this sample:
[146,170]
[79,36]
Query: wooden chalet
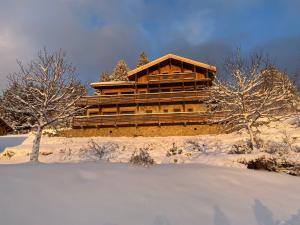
[4,127]
[167,91]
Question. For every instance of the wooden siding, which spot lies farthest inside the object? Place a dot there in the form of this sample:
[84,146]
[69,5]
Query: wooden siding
[142,119]
[143,98]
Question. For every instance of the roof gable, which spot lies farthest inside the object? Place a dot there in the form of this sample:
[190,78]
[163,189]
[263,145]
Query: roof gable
[172,56]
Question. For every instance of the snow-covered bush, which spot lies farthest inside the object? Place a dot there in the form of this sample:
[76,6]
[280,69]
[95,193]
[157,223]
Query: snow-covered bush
[196,146]
[141,157]
[95,151]
[278,148]
[245,146]
[281,148]
[8,154]
[274,164]
[66,153]
[175,150]
[241,147]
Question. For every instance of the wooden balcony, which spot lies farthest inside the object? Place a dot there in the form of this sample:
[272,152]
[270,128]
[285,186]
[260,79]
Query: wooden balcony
[143,98]
[142,119]
[177,77]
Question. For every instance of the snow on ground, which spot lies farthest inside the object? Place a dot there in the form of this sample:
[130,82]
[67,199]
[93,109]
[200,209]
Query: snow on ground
[207,149]
[99,193]
[11,141]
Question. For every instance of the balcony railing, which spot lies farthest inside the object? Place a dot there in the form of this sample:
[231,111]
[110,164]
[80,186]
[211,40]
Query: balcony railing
[143,119]
[144,98]
[178,77]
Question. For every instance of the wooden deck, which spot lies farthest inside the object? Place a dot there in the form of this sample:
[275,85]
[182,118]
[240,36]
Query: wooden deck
[142,119]
[143,98]
[178,77]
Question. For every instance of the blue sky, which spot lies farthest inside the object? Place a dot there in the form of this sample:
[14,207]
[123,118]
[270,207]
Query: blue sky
[97,33]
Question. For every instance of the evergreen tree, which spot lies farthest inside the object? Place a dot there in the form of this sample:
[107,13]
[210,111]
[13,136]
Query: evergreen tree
[142,60]
[120,72]
[104,76]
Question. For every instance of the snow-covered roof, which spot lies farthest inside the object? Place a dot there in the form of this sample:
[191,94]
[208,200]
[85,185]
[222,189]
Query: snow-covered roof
[172,56]
[108,83]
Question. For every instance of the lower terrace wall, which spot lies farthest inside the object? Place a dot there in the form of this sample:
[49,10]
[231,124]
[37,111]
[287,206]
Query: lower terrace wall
[146,131]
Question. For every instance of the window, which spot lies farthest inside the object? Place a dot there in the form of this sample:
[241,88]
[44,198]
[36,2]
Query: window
[154,90]
[93,113]
[111,93]
[127,92]
[148,111]
[127,112]
[190,110]
[177,89]
[177,110]
[109,113]
[143,92]
[165,110]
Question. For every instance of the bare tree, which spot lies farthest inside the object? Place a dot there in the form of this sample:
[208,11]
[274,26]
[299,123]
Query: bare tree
[45,90]
[253,92]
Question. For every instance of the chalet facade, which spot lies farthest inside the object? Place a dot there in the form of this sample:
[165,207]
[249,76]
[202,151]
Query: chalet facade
[168,92]
[4,127]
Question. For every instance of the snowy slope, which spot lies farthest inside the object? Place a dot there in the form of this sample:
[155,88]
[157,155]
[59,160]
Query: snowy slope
[118,194]
[213,148]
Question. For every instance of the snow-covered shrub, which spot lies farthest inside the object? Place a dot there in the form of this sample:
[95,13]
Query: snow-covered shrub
[196,146]
[141,157]
[50,132]
[274,164]
[289,141]
[278,148]
[282,148]
[297,149]
[262,163]
[175,150]
[66,153]
[241,147]
[8,154]
[294,121]
[95,151]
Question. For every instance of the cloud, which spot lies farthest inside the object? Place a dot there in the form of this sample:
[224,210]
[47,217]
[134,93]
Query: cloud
[28,27]
[97,33]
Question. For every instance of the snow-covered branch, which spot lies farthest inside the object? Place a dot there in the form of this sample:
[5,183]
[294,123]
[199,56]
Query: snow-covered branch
[44,92]
[256,91]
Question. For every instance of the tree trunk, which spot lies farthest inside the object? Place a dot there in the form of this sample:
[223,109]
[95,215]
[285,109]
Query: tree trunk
[34,157]
[252,141]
